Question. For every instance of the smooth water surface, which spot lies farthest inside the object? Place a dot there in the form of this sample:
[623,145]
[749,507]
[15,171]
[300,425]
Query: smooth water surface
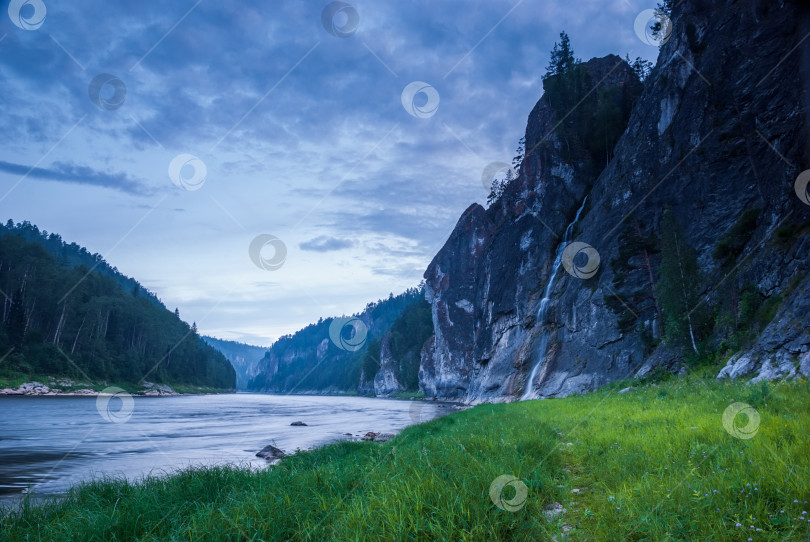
[48,444]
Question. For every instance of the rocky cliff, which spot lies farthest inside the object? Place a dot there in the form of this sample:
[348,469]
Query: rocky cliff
[718,137]
[385,381]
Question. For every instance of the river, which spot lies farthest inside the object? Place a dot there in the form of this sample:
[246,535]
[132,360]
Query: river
[48,444]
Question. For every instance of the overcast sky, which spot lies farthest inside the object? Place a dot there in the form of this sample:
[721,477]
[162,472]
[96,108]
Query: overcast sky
[296,120]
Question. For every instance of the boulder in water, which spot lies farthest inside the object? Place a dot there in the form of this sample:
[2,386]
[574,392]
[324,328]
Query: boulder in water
[270,453]
[377,437]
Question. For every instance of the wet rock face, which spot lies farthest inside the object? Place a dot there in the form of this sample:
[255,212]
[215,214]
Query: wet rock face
[427,368]
[720,127]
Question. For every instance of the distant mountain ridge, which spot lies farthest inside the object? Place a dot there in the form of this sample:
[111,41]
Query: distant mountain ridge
[245,358]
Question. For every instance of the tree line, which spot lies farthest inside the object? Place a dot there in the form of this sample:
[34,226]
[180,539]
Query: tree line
[62,318]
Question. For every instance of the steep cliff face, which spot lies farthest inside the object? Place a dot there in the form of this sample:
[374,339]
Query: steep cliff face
[385,381]
[451,290]
[486,283]
[719,129]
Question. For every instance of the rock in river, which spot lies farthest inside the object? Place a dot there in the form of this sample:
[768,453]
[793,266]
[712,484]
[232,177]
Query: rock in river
[270,452]
[377,437]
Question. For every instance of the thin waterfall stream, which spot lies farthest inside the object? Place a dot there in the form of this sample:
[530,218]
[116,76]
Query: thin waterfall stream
[544,303]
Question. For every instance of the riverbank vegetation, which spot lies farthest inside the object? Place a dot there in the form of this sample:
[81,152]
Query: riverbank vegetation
[655,462]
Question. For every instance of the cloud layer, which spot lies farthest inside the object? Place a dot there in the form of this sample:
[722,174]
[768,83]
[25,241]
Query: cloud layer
[303,135]
[325,243]
[72,173]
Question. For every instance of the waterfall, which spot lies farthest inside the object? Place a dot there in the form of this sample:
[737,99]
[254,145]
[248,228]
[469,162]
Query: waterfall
[544,303]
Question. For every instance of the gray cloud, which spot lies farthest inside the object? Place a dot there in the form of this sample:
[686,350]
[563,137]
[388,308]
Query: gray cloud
[315,146]
[407,271]
[324,243]
[71,173]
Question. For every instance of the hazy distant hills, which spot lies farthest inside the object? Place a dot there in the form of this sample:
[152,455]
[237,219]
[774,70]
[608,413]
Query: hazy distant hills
[374,352]
[245,358]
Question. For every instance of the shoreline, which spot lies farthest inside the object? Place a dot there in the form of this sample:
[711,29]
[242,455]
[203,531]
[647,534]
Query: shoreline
[82,389]
[37,389]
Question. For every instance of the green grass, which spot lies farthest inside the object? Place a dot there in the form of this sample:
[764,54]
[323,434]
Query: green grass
[654,463]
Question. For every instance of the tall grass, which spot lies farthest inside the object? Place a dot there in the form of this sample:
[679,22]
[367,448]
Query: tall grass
[657,464]
[654,463]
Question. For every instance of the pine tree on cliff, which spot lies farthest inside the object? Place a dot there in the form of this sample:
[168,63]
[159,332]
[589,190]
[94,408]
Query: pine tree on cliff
[679,284]
[641,67]
[562,58]
[565,85]
[520,153]
[498,187]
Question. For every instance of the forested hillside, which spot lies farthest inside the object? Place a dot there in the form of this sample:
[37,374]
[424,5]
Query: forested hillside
[312,360]
[72,255]
[62,317]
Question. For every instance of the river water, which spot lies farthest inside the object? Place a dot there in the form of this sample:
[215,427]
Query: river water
[48,444]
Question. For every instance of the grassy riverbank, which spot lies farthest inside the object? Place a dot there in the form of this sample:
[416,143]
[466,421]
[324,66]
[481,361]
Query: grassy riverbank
[654,463]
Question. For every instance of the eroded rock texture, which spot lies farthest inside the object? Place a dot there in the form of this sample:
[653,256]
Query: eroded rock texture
[720,127]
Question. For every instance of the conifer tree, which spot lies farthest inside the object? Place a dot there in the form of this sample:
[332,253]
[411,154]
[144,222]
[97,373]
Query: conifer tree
[679,284]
